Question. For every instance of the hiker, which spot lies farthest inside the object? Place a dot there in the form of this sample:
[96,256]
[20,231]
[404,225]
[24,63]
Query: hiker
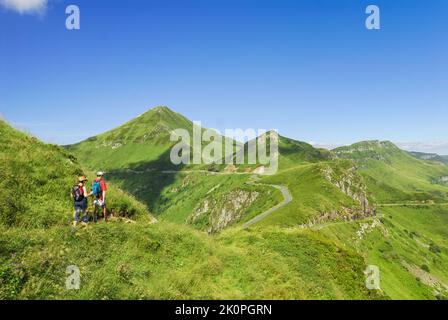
[99,193]
[79,195]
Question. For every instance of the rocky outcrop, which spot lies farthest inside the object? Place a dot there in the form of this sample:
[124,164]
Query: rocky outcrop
[345,177]
[217,213]
[366,228]
[350,183]
[442,180]
[341,214]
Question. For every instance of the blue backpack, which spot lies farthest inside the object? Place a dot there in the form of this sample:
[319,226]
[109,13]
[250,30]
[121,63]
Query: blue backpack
[96,189]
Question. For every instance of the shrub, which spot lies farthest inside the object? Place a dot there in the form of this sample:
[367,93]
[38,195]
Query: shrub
[11,281]
[425,268]
[434,248]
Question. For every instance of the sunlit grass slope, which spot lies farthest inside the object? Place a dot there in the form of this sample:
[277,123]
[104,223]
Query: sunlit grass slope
[143,260]
[36,179]
[408,244]
[393,175]
[170,261]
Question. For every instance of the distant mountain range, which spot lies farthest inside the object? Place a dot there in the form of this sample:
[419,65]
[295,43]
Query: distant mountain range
[429,156]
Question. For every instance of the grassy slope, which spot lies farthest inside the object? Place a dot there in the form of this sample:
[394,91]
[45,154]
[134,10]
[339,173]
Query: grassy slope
[36,179]
[293,152]
[142,143]
[171,199]
[135,156]
[312,194]
[395,176]
[143,139]
[174,197]
[169,261]
[144,260]
[283,258]
[405,234]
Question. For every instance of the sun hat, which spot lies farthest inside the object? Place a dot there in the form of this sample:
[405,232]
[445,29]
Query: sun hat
[82,179]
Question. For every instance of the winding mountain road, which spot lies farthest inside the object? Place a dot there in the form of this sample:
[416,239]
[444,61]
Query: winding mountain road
[287,198]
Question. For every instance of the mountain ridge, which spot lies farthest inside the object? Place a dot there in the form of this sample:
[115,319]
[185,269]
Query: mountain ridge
[144,260]
[331,223]
[429,156]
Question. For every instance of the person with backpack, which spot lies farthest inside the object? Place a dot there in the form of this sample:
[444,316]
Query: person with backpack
[79,195]
[99,189]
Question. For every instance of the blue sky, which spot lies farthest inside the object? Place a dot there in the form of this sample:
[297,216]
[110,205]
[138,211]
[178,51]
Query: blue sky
[308,68]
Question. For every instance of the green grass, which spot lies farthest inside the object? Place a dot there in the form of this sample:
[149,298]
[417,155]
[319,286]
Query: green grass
[393,175]
[403,236]
[313,195]
[36,180]
[144,138]
[275,258]
[152,261]
[170,261]
[176,196]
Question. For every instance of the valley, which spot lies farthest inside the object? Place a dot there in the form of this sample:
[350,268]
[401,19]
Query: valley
[221,231]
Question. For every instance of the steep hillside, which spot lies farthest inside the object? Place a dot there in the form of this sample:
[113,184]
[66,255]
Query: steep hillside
[322,192]
[297,252]
[213,197]
[170,261]
[143,140]
[393,175]
[143,260]
[408,244]
[290,152]
[36,178]
[293,152]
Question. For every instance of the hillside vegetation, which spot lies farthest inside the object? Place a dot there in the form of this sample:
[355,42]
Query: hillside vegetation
[409,244]
[143,260]
[393,175]
[369,203]
[169,261]
[36,179]
[205,196]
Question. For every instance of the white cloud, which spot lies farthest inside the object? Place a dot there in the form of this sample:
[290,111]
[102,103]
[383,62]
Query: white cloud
[25,6]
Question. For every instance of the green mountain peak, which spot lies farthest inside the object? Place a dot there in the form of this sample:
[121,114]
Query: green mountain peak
[372,149]
[370,144]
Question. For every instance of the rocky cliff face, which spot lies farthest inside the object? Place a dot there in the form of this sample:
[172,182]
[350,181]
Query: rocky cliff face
[217,213]
[345,177]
